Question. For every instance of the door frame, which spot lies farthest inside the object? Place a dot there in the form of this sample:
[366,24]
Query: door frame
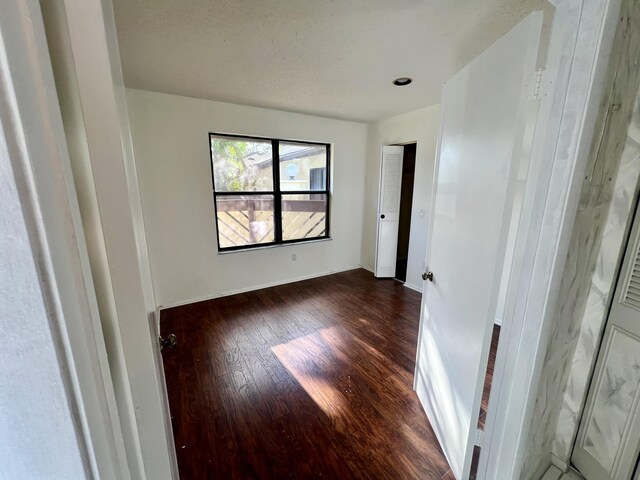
[394,144]
[569,102]
[380,180]
[413,186]
[37,147]
[139,410]
[87,56]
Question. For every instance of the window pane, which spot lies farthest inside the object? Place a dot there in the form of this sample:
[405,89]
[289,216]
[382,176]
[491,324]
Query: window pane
[241,165]
[304,216]
[245,219]
[303,166]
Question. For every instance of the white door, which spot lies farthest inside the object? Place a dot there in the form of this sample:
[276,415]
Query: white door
[389,211]
[608,440]
[484,116]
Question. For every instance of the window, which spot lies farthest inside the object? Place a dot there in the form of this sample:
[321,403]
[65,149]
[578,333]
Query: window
[269,191]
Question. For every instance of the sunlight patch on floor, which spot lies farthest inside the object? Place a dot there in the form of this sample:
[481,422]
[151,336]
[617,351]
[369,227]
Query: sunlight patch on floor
[301,357]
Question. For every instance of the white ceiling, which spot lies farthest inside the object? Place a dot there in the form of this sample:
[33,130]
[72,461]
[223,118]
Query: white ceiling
[335,58]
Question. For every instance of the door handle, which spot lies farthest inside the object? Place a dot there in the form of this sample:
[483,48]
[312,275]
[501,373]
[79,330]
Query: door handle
[382,216]
[171,341]
[427,276]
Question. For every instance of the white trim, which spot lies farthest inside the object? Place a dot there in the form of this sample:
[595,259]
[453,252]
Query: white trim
[413,287]
[560,151]
[556,462]
[425,263]
[367,268]
[155,324]
[257,287]
[277,245]
[154,329]
[91,61]
[375,250]
[552,474]
[31,118]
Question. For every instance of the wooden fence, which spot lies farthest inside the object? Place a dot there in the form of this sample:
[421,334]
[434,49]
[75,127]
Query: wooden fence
[250,220]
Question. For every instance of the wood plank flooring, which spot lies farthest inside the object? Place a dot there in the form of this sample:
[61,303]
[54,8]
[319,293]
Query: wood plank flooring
[307,380]
[489,376]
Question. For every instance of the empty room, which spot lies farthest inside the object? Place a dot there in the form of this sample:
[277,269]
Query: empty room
[310,239]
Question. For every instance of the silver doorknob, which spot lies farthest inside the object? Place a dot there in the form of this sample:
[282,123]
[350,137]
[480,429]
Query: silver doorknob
[171,341]
[427,276]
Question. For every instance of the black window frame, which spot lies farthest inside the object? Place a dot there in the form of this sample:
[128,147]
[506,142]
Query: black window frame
[277,192]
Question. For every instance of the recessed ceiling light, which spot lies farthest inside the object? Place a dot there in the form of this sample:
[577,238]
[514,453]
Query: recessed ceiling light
[402,81]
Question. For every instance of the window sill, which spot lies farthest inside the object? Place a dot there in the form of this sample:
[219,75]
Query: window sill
[279,245]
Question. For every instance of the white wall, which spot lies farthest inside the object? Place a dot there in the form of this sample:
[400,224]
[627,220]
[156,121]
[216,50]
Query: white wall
[61,53]
[38,437]
[58,417]
[170,137]
[84,53]
[421,126]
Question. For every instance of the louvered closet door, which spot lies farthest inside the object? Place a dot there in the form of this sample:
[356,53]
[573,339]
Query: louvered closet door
[389,211]
[608,441]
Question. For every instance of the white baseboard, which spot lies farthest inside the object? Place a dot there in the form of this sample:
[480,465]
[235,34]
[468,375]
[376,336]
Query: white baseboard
[553,473]
[559,470]
[156,321]
[256,287]
[559,464]
[413,287]
[368,269]
[572,475]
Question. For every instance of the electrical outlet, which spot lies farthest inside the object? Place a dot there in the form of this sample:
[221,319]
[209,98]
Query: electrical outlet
[294,257]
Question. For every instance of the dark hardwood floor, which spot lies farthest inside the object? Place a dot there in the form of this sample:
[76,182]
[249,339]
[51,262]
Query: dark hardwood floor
[306,380]
[495,337]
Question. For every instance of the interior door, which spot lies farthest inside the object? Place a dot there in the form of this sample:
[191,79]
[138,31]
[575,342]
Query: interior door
[608,440]
[485,109]
[389,211]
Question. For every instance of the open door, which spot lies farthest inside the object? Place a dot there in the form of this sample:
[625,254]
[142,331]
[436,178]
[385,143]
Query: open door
[485,109]
[389,211]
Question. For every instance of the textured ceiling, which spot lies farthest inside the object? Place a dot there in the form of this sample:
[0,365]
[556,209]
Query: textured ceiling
[335,58]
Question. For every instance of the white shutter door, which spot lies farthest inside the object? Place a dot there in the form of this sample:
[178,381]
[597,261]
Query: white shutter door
[389,211]
[608,441]
[632,291]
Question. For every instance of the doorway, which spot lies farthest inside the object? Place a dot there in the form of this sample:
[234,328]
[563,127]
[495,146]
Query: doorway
[397,175]
[406,202]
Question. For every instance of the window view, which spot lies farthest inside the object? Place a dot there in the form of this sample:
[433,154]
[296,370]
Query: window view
[257,204]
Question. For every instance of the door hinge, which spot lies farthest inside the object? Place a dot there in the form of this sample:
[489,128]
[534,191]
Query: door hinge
[479,437]
[171,341]
[537,83]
